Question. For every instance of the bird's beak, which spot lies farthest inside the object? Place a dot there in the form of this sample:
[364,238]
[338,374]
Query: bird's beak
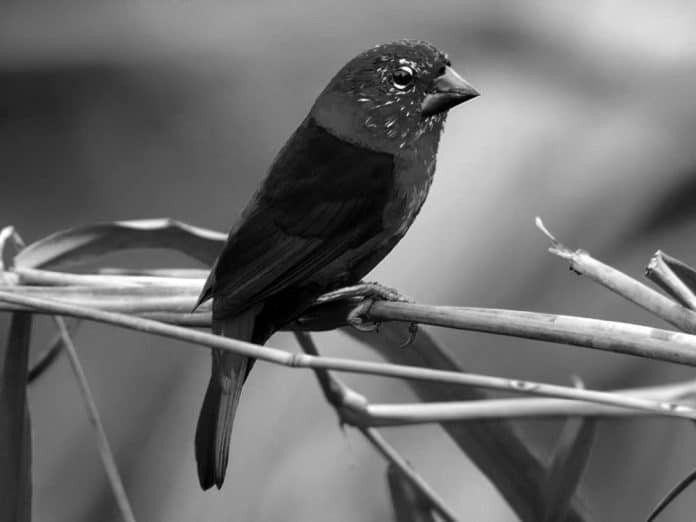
[449,89]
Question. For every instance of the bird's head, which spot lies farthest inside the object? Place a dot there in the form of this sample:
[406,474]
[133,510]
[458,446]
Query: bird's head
[392,96]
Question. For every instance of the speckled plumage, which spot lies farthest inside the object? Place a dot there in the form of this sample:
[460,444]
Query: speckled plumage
[383,117]
[338,197]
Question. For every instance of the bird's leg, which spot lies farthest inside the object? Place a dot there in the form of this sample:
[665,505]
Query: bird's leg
[369,292]
[365,290]
[379,292]
[412,332]
[356,317]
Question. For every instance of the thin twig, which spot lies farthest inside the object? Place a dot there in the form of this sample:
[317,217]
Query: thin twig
[355,409]
[166,303]
[341,397]
[375,437]
[493,446]
[410,505]
[567,464]
[93,413]
[625,286]
[334,390]
[299,360]
[125,299]
[523,408]
[631,339]
[34,276]
[672,494]
[685,272]
[8,235]
[350,406]
[49,354]
[189,273]
[659,272]
[364,413]
[45,359]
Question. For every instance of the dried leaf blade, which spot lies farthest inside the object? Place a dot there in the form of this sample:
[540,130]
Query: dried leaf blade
[409,504]
[493,445]
[672,495]
[683,271]
[15,429]
[567,466]
[86,243]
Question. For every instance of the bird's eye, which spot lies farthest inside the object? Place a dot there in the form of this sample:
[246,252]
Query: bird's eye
[402,78]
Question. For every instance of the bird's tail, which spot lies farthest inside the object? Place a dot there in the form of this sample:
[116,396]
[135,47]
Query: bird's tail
[220,403]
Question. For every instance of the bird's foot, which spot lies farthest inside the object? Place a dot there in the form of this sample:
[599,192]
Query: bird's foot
[371,292]
[412,333]
[356,317]
[379,292]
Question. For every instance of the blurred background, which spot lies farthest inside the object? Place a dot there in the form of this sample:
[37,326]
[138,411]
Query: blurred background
[138,109]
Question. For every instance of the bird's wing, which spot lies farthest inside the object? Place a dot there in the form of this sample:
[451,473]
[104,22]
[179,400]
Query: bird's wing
[322,197]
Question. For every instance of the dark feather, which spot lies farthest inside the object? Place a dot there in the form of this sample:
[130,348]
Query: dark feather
[338,197]
[229,371]
[323,197]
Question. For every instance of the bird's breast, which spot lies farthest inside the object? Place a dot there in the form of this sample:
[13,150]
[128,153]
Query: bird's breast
[412,179]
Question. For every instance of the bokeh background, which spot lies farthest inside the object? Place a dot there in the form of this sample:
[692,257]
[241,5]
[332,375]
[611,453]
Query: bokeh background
[152,108]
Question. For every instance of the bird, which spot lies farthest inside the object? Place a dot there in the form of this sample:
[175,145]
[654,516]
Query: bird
[338,197]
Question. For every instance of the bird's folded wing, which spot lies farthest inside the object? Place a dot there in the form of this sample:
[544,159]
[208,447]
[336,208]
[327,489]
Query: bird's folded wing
[323,198]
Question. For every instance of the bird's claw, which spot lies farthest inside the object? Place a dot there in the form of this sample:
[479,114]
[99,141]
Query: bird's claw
[369,292]
[363,290]
[412,333]
[380,292]
[356,317]
[376,291]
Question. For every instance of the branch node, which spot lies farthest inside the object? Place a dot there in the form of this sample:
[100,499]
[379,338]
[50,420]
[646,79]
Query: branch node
[9,238]
[524,386]
[296,360]
[660,271]
[559,249]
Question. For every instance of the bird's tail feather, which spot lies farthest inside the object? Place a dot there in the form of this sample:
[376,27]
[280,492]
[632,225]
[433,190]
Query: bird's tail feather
[220,403]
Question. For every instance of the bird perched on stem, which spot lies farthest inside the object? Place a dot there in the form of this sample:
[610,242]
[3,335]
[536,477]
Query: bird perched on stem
[339,195]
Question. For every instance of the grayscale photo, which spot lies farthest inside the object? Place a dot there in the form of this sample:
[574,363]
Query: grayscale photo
[347,261]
